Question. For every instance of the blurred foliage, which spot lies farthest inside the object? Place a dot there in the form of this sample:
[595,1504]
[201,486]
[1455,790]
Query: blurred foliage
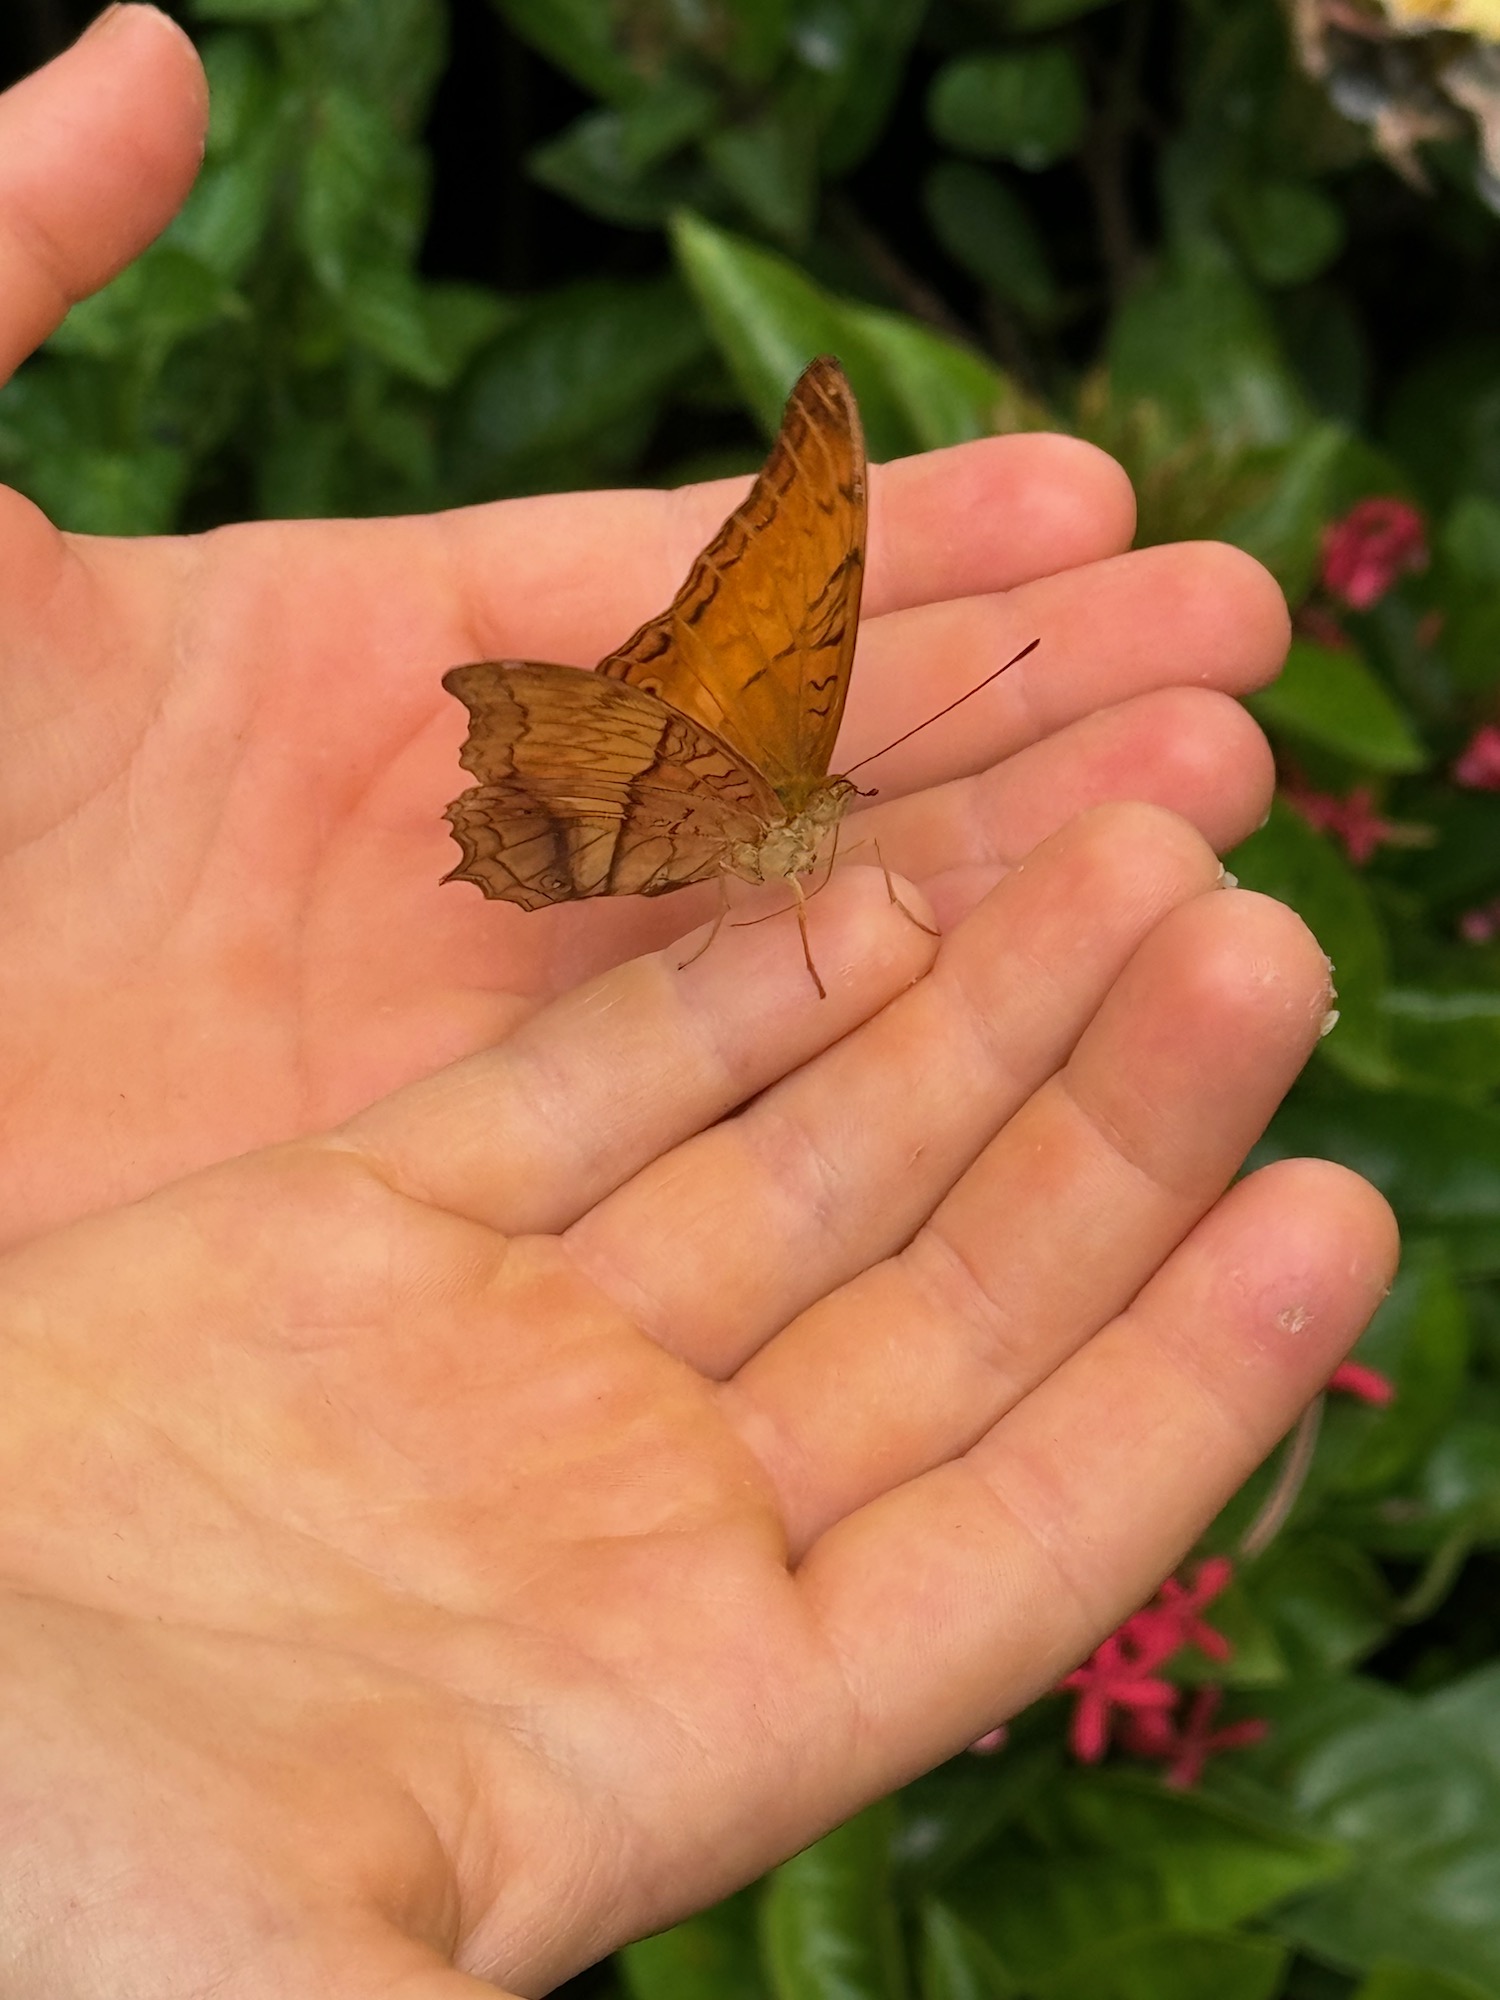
[1139,220]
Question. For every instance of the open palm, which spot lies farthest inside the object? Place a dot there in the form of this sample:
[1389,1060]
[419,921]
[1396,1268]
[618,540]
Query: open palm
[221,834]
[440,1552]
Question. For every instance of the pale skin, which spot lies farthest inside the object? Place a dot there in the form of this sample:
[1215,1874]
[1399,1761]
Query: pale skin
[437,1552]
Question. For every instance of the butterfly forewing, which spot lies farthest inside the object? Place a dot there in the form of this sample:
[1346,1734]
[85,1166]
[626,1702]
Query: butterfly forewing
[591,788]
[758,643]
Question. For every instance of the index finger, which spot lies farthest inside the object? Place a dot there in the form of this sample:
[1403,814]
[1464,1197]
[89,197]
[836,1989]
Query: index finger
[566,576]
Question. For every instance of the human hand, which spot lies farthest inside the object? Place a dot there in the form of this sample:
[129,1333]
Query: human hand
[221,835]
[483,1536]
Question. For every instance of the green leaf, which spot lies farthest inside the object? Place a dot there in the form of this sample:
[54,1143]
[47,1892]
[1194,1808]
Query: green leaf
[1414,1792]
[567,392]
[1290,861]
[1025,105]
[948,1815]
[1257,1660]
[461,319]
[1393,1980]
[954,1963]
[947,394]
[1104,1856]
[1437,1163]
[988,230]
[1461,866]
[714,1956]
[242,91]
[385,311]
[1331,698]
[1444,420]
[363,192]
[1327,1602]
[1288,230]
[1196,342]
[300,467]
[829,1926]
[860,47]
[1468,587]
[388,54]
[1030,16]
[1459,1487]
[255,10]
[226,218]
[757,38]
[1169,1963]
[590,163]
[769,164]
[1447,1040]
[1470,538]
[1419,1338]
[578,37]
[163,297]
[1282,523]
[769,320]
[98,492]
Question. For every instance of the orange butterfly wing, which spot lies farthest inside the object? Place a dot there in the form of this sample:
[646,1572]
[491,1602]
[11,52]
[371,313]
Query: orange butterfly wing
[758,644]
[590,787]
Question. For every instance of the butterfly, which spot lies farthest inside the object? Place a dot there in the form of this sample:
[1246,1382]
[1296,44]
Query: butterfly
[701,748]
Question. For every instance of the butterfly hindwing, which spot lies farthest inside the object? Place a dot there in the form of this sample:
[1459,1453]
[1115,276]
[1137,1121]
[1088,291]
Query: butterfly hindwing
[758,644]
[590,787]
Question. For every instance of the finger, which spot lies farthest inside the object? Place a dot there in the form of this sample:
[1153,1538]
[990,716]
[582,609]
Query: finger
[97,152]
[956,1599]
[529,1135]
[1196,753]
[1059,1223]
[841,1163]
[1196,613]
[544,579]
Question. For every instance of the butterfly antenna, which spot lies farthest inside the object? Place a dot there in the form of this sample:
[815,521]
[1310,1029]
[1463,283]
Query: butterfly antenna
[978,688]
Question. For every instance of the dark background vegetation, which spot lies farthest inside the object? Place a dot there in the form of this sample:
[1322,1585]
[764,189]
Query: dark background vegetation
[442,252]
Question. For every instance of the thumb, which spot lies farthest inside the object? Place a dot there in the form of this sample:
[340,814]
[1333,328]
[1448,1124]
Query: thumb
[97,153]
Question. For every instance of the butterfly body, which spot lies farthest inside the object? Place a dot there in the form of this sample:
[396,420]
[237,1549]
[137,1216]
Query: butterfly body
[702,747]
[794,845]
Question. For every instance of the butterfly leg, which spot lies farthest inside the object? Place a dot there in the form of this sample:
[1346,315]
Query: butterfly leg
[796,888]
[890,890]
[693,957]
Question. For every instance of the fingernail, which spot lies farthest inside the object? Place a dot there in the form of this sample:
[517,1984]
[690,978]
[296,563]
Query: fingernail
[1228,881]
[1328,1023]
[102,20]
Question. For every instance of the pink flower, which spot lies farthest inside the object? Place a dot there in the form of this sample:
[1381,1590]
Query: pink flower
[1481,925]
[1365,552]
[1317,622]
[1170,1621]
[1109,1679]
[1479,766]
[1121,1674]
[1187,1747]
[1368,1384]
[1354,820]
[991,1741]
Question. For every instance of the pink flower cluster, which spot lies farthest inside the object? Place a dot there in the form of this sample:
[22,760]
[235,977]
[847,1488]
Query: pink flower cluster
[1353,820]
[1478,768]
[1122,1696]
[1376,542]
[1481,926]
[1352,1378]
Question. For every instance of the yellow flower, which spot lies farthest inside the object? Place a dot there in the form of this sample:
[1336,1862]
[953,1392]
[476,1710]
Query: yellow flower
[1464,17]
